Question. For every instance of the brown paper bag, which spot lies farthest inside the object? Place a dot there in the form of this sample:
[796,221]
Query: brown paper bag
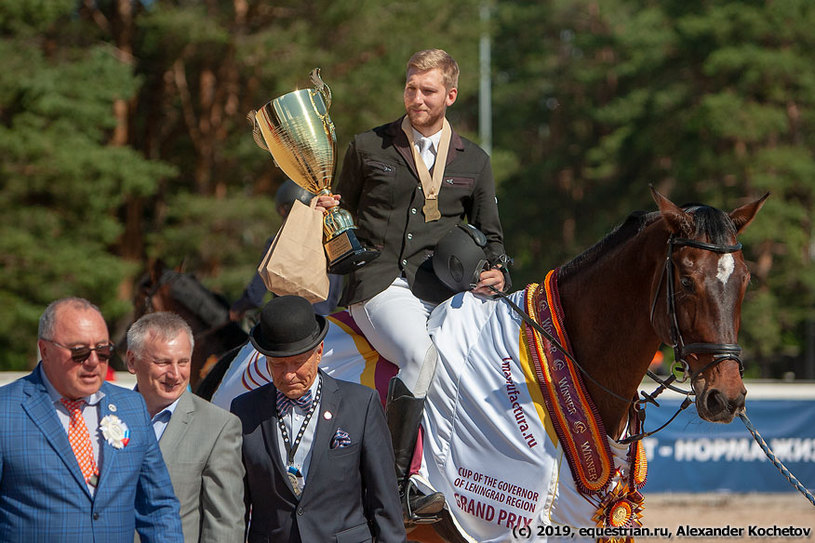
[295,263]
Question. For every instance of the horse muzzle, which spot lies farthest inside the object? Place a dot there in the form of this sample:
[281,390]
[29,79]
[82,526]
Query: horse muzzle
[720,392]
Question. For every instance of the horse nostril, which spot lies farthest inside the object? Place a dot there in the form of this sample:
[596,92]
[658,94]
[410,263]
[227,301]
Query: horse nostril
[739,401]
[715,402]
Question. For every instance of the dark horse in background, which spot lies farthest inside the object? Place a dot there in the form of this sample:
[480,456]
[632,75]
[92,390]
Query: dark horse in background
[207,313]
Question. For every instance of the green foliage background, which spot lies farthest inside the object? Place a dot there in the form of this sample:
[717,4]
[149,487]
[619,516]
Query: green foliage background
[123,134]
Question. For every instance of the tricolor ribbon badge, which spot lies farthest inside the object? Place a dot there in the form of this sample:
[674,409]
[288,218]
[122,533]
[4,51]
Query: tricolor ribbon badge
[115,432]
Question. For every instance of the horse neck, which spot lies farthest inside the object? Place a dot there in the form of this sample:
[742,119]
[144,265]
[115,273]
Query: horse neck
[196,324]
[606,305]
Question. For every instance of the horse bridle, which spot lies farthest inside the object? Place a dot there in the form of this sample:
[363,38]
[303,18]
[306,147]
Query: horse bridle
[720,351]
[165,277]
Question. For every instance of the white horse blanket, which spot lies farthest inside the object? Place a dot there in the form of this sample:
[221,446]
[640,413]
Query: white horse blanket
[489,444]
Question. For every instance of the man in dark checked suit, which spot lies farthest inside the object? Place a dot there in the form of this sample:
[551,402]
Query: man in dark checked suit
[317,453]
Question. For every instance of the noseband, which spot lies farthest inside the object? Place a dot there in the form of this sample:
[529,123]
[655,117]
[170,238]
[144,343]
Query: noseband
[720,351]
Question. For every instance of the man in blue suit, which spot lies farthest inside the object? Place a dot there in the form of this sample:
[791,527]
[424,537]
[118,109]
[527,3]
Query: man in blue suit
[79,461]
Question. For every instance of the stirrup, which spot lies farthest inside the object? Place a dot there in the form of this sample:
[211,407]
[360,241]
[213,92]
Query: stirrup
[412,517]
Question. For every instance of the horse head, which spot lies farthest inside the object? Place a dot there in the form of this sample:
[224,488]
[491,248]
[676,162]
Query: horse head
[163,288]
[703,285]
[152,292]
[166,289]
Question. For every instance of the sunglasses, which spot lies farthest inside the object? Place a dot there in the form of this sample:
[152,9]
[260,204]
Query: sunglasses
[79,354]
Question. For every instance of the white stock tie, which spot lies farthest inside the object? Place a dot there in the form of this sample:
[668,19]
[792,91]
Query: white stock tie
[426,152]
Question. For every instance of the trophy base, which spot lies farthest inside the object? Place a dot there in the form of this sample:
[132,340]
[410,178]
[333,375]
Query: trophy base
[352,262]
[346,253]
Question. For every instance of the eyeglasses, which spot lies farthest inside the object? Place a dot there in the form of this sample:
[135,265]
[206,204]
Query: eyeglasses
[79,354]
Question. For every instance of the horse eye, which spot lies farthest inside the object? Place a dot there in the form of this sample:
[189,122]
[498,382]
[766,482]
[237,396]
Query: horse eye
[686,283]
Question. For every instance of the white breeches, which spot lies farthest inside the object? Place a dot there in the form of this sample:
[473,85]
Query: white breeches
[395,323]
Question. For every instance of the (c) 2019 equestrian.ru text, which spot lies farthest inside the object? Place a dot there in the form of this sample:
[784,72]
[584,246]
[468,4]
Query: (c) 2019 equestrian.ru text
[681,532]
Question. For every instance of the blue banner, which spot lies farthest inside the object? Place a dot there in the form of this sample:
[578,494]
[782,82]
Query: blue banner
[692,455]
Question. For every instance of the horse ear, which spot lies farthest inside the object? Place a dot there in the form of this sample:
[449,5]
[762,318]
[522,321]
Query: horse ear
[156,268]
[745,214]
[678,221]
[180,267]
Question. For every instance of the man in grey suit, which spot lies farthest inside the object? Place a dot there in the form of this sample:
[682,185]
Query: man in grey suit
[200,442]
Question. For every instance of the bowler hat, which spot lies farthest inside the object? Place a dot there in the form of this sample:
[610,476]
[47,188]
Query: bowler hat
[288,326]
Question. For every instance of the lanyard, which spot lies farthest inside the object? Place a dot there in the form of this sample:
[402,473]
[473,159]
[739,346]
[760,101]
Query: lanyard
[430,185]
[292,448]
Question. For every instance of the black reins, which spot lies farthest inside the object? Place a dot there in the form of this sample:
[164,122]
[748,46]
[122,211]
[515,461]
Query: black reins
[721,351]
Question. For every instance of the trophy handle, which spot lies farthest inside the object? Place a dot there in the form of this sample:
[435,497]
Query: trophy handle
[256,134]
[324,89]
[325,92]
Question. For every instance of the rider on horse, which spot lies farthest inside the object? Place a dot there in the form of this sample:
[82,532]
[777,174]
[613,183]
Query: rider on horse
[403,210]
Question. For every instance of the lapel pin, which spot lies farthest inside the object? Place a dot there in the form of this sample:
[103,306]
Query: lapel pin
[112,408]
[327,415]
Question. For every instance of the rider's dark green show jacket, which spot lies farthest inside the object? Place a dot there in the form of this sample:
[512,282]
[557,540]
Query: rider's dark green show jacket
[380,187]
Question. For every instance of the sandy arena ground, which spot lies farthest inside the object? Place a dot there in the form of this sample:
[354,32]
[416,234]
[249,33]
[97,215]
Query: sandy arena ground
[734,510]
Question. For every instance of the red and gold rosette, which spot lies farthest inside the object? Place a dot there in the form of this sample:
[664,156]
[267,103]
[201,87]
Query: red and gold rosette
[620,508]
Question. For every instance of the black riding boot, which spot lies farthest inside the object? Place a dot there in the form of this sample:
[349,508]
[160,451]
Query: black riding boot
[404,414]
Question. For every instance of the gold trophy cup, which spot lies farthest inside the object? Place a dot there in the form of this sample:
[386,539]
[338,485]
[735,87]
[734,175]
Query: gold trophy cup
[296,129]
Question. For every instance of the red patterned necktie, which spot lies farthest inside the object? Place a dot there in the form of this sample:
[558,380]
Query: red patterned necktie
[80,439]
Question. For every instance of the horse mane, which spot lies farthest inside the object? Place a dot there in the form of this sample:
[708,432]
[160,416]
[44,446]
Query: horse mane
[212,309]
[633,225]
[187,292]
[709,222]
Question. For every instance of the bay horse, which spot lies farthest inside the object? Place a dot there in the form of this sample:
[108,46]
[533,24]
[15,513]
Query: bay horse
[165,289]
[493,440]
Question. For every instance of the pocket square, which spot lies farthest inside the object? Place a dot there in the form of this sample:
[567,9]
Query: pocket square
[341,439]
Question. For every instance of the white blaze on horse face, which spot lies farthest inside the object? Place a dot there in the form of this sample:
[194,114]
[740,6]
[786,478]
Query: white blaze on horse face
[725,268]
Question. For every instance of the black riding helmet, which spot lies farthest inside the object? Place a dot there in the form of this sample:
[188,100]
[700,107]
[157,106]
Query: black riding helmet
[459,257]
[287,194]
